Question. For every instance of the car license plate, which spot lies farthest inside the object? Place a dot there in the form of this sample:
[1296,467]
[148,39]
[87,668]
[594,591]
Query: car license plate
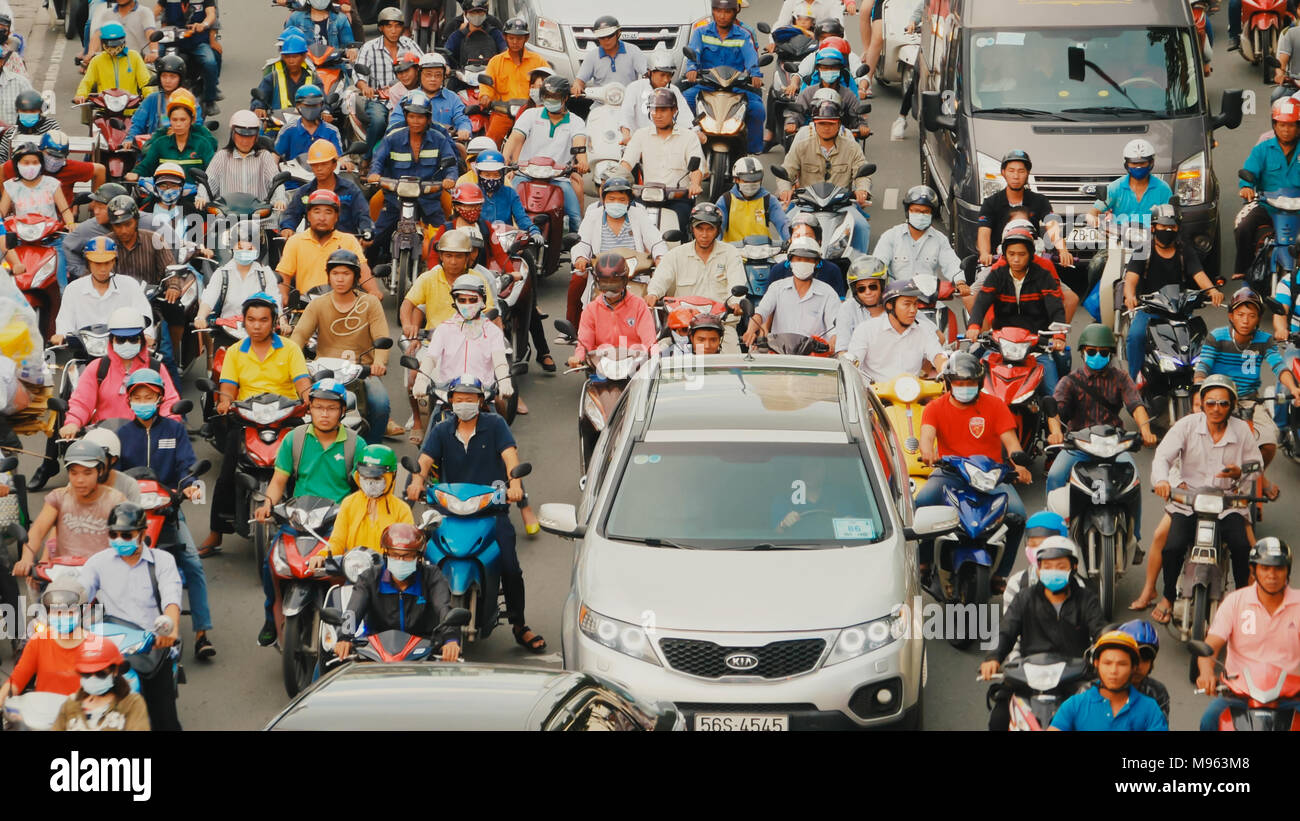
[731,722]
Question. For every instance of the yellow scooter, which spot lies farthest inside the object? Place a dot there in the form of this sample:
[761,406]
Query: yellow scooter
[903,397]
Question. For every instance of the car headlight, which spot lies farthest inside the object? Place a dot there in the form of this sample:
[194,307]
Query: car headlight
[990,174]
[864,638]
[591,407]
[549,35]
[1208,503]
[627,639]
[1189,181]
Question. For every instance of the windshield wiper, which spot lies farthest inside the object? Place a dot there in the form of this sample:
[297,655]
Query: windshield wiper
[653,542]
[1028,112]
[1118,109]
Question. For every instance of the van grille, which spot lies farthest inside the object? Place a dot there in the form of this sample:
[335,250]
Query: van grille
[775,660]
[1070,189]
[643,37]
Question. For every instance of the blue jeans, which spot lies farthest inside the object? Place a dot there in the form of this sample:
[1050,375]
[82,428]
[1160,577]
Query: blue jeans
[268,587]
[754,116]
[62,265]
[1137,337]
[167,352]
[1059,477]
[931,493]
[211,72]
[189,563]
[377,123]
[1051,371]
[1234,19]
[571,209]
[1210,718]
[377,409]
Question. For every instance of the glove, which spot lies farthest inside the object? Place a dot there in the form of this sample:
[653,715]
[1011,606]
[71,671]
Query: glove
[507,387]
[163,625]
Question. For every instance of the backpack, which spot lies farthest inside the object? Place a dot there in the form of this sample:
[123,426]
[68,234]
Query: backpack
[225,284]
[349,453]
[155,362]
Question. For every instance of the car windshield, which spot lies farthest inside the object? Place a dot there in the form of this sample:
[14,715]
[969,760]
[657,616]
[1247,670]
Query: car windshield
[1130,73]
[746,496]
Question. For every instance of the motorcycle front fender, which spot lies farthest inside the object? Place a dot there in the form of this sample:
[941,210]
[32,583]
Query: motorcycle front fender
[1207,575]
[295,596]
[461,574]
[1105,520]
[971,553]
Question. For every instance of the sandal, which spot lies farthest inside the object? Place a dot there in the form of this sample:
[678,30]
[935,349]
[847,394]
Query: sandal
[207,551]
[1162,610]
[416,437]
[548,363]
[536,644]
[1142,602]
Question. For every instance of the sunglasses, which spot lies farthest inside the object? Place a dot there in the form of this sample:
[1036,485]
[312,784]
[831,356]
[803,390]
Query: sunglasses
[1216,403]
[869,286]
[107,672]
[467,301]
[1096,352]
[121,534]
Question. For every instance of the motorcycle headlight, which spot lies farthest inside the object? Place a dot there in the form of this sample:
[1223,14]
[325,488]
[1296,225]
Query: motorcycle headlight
[149,501]
[652,195]
[708,124]
[982,480]
[1014,351]
[408,190]
[861,639]
[907,389]
[116,103]
[1168,364]
[732,124]
[47,270]
[1103,446]
[280,563]
[627,639]
[29,232]
[463,507]
[1189,181]
[96,346]
[1208,503]
[549,35]
[591,407]
[990,175]
[837,247]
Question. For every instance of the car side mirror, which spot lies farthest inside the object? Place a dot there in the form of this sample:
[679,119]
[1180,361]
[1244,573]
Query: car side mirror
[1021,458]
[357,147]
[205,385]
[8,464]
[246,481]
[932,520]
[739,290]
[361,69]
[561,520]
[932,116]
[863,70]
[201,467]
[156,37]
[1230,109]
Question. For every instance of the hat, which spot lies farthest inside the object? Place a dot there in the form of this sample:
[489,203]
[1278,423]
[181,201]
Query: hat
[127,322]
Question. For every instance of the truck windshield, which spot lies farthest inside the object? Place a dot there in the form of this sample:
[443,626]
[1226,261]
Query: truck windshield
[1131,73]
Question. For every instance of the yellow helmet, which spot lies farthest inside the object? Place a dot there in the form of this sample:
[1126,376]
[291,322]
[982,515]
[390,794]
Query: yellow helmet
[322,151]
[183,98]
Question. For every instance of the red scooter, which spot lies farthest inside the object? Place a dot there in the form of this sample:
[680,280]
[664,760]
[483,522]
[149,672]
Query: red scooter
[39,282]
[109,144]
[161,503]
[427,16]
[1262,22]
[465,85]
[1262,686]
[934,293]
[1015,376]
[543,200]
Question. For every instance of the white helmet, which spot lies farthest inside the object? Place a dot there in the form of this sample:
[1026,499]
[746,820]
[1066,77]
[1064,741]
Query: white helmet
[129,320]
[660,59]
[747,169]
[804,247]
[1139,151]
[478,145]
[825,95]
[245,119]
[432,59]
[1055,547]
[106,439]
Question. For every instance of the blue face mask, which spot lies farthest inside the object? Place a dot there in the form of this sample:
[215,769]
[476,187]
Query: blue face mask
[124,547]
[245,256]
[965,393]
[27,120]
[401,569]
[64,623]
[617,210]
[1097,361]
[1140,173]
[1054,580]
[97,685]
[169,196]
[144,410]
[553,106]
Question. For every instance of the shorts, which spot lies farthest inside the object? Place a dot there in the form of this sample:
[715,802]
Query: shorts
[877,9]
[1266,432]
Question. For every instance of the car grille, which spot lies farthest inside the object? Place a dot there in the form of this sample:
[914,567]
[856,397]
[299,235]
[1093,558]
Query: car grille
[778,659]
[1069,189]
[643,37]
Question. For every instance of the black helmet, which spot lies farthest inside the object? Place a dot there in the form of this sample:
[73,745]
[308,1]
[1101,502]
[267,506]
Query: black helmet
[704,322]
[922,195]
[1271,551]
[555,86]
[122,209]
[344,257]
[706,212]
[29,100]
[474,5]
[733,5]
[1246,296]
[611,266]
[828,26]
[171,64]
[605,25]
[26,148]
[1016,155]
[615,182]
[963,365]
[125,517]
[662,98]
[516,25]
[107,192]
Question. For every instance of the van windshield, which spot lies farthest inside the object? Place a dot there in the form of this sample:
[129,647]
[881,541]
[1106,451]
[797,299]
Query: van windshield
[1131,73]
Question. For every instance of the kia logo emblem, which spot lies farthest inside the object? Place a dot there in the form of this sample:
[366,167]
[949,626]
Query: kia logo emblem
[741,661]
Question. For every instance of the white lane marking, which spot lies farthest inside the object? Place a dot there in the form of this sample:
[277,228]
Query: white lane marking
[891,199]
[553,658]
[52,71]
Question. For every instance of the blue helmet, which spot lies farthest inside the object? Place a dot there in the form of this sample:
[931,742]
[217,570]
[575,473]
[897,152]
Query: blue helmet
[293,43]
[829,55]
[55,143]
[112,31]
[307,92]
[490,161]
[261,298]
[329,389]
[144,376]
[1145,635]
[466,384]
[1046,523]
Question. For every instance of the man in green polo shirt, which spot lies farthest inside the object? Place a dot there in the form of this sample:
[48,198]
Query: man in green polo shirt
[318,458]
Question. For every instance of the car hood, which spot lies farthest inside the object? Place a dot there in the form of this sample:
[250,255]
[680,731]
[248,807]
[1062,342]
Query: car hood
[743,590]
[665,12]
[1074,147]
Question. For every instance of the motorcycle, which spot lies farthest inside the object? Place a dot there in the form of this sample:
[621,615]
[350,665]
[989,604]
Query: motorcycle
[603,149]
[1290,432]
[1262,22]
[35,710]
[898,57]
[501,114]
[720,112]
[180,314]
[904,396]
[1173,342]
[390,646]
[408,234]
[1015,376]
[1262,711]
[79,348]
[791,44]
[934,293]
[1200,16]
[543,201]
[830,204]
[224,333]
[109,124]
[235,207]
[275,119]
[465,84]
[426,18]
[304,522]
[136,644]
[964,559]
[516,297]
[609,372]
[1203,579]
[1276,258]
[654,196]
[1039,684]
[352,374]
[39,282]
[461,531]
[162,504]
[1099,502]
[673,317]
[169,40]
[761,254]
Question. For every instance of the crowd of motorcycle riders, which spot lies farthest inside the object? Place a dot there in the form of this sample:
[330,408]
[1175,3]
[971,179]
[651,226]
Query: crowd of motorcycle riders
[452,176]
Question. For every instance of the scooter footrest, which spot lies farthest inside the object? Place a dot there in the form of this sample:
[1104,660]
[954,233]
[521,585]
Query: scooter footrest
[180,674]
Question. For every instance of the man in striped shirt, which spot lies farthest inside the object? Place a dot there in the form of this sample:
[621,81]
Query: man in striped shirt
[1236,351]
[379,55]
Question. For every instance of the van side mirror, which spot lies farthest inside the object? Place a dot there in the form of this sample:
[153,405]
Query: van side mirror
[1078,65]
[932,116]
[1230,105]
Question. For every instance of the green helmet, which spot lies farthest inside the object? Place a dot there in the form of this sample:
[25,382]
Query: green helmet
[376,461]
[1097,336]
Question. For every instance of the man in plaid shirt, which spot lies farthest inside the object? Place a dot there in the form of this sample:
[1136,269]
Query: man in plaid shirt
[379,55]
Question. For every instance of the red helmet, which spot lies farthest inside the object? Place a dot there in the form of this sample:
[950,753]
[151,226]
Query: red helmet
[611,266]
[1286,110]
[467,194]
[837,43]
[96,654]
[402,536]
[322,197]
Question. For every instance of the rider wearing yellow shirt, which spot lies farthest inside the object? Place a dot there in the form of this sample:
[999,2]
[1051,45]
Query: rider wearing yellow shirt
[365,514]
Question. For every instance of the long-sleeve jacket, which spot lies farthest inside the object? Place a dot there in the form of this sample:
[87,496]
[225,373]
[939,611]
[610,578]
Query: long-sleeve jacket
[648,238]
[447,109]
[164,448]
[354,216]
[1036,307]
[1033,620]
[806,165]
[151,116]
[278,87]
[505,206]
[338,31]
[93,400]
[418,610]
[393,158]
[199,150]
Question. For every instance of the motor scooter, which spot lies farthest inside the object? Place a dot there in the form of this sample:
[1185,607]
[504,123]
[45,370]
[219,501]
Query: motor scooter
[603,148]
[352,374]
[829,204]
[465,85]
[609,372]
[1260,688]
[169,40]
[1173,343]
[390,646]
[935,292]
[408,233]
[138,646]
[543,201]
[1276,258]
[720,113]
[304,524]
[904,397]
[791,44]
[673,316]
[1262,22]
[1100,502]
[898,57]
[275,119]
[108,128]
[1015,376]
[1039,684]
[39,282]
[654,197]
[461,532]
[424,19]
[35,710]
[761,254]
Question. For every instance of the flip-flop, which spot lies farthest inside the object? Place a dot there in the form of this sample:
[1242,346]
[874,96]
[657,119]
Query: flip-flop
[210,551]
[417,436]
[536,644]
[1168,613]
[1134,605]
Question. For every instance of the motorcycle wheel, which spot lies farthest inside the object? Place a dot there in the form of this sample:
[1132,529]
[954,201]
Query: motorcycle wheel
[296,663]
[588,438]
[463,601]
[719,174]
[402,269]
[1106,584]
[1200,611]
[1179,406]
[259,540]
[972,588]
[1267,47]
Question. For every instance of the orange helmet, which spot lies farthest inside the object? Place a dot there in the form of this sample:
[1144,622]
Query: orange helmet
[183,98]
[467,194]
[1286,110]
[95,655]
[838,43]
[322,151]
[680,319]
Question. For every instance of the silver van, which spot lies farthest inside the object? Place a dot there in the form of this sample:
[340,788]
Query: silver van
[1070,84]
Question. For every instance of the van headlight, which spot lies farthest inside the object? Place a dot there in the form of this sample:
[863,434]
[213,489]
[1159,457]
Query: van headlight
[548,34]
[627,639]
[990,173]
[861,639]
[1189,180]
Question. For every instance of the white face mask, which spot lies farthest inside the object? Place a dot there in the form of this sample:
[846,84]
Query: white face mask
[465,411]
[747,189]
[919,221]
[29,172]
[476,19]
[321,5]
[127,350]
[374,488]
[802,270]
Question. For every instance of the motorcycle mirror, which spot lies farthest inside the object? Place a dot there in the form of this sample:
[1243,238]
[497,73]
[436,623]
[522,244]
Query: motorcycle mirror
[672,235]
[8,464]
[766,59]
[324,373]
[362,69]
[156,37]
[1246,176]
[200,467]
[519,369]
[456,617]
[409,463]
[521,470]
[54,403]
[383,343]
[1251,467]
[689,53]
[764,28]
[1077,63]
[780,173]
[382,270]
[182,407]
[1274,306]
[739,290]
[790,67]
[1200,648]
[332,616]
[486,80]
[491,314]
[504,282]
[565,327]
[863,70]
[694,164]
[246,481]
[333,99]
[411,362]
[865,170]
[205,385]
[569,240]
[1021,458]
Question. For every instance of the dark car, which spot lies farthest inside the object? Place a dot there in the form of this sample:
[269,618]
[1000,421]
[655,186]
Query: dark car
[438,696]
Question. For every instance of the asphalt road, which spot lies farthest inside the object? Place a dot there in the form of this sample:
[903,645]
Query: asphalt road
[242,688]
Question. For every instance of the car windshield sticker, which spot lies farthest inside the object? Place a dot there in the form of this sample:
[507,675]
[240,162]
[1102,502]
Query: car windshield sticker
[854,529]
[1011,38]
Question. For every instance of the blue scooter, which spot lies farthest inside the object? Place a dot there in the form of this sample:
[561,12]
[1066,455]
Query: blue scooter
[761,255]
[1276,258]
[461,531]
[966,557]
[137,646]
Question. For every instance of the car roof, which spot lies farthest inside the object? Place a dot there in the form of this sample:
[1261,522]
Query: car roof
[426,696]
[1018,14]
[735,397]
